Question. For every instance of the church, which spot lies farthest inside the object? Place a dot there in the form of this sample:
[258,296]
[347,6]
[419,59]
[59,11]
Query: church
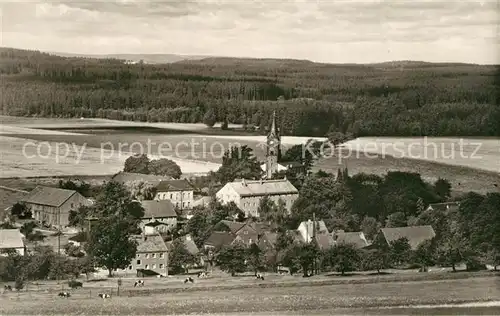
[246,194]
[273,152]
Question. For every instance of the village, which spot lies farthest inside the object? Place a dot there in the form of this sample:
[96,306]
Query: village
[138,225]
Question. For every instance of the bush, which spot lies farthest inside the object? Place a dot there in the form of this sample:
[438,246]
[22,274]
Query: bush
[19,285]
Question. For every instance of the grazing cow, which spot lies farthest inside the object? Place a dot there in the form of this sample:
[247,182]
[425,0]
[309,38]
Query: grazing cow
[7,288]
[139,283]
[190,279]
[259,277]
[202,274]
[64,294]
[104,295]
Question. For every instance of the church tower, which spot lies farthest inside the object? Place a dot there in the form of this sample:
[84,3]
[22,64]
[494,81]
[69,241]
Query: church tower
[273,149]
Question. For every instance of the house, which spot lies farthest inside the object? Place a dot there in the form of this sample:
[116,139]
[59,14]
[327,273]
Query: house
[11,240]
[324,241]
[159,214]
[179,192]
[446,206]
[357,239]
[127,177]
[416,235]
[151,256]
[246,233]
[217,240]
[203,201]
[51,206]
[308,229]
[246,194]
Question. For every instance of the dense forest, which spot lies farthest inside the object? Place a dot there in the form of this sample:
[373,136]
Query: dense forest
[311,99]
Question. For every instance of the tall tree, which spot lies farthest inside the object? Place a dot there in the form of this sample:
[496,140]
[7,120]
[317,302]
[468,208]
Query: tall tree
[344,258]
[110,244]
[164,167]
[232,259]
[239,163]
[137,164]
[180,258]
[442,187]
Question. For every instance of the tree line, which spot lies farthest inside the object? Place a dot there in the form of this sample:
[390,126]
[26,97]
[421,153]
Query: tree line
[311,99]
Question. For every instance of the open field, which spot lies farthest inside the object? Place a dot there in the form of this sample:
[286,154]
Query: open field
[304,299]
[468,170]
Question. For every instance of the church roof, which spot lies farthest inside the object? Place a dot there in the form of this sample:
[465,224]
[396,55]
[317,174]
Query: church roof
[263,187]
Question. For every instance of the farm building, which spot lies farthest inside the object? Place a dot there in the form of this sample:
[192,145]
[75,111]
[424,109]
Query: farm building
[416,235]
[11,240]
[179,192]
[51,206]
[246,194]
[159,214]
[9,197]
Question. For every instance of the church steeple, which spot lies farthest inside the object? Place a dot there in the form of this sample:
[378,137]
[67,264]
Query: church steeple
[273,149]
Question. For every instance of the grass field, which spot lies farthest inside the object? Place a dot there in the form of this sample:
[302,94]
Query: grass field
[379,298]
[192,151]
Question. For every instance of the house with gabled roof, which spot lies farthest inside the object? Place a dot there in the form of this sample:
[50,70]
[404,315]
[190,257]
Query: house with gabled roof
[151,256]
[416,235]
[308,229]
[357,239]
[51,206]
[11,240]
[159,215]
[217,240]
[246,194]
[179,192]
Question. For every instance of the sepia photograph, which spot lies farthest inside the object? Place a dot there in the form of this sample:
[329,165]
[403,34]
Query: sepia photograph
[249,157]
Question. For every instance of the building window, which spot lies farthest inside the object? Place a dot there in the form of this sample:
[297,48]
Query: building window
[138,262]
[146,256]
[161,255]
[250,241]
[146,266]
[177,204]
[161,265]
[189,204]
[154,265]
[171,196]
[153,255]
[130,267]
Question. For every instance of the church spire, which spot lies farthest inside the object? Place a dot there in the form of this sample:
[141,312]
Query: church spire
[273,125]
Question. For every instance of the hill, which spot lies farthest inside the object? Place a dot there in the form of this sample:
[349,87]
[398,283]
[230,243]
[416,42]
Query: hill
[390,99]
[135,58]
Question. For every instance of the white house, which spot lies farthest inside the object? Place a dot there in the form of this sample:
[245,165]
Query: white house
[11,240]
[246,194]
[308,229]
[179,192]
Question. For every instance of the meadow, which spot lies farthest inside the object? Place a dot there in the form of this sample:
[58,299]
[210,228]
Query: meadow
[379,298]
[105,145]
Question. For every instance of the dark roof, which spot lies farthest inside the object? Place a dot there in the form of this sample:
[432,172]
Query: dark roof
[174,185]
[415,234]
[357,239]
[234,227]
[260,228]
[444,206]
[271,238]
[158,209]
[48,196]
[219,239]
[297,237]
[150,243]
[124,177]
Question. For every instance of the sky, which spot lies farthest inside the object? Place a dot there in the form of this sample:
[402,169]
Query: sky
[336,31]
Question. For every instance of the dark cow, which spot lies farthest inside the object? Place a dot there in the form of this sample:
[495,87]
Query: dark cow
[139,283]
[104,295]
[259,276]
[7,288]
[64,294]
[190,279]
